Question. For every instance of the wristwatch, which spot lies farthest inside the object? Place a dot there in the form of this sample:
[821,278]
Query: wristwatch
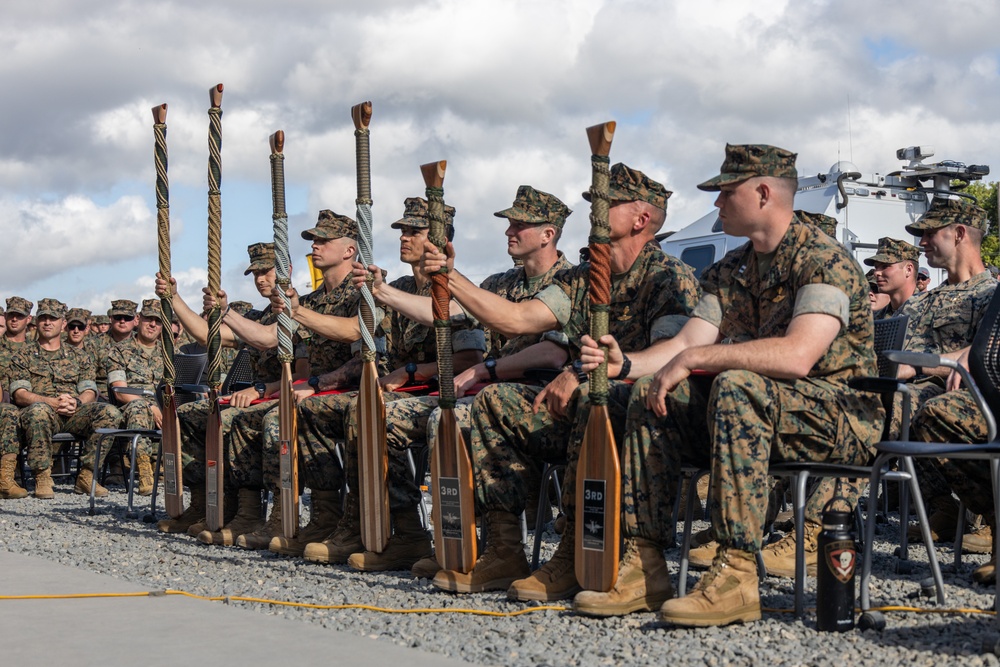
[261,389]
[626,368]
[314,383]
[411,370]
[578,369]
[491,368]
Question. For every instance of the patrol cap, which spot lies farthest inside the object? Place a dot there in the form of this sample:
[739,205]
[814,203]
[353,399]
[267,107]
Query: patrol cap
[946,211]
[627,184]
[80,315]
[872,284]
[102,319]
[122,307]
[416,213]
[536,208]
[332,225]
[745,161]
[151,308]
[261,257]
[891,251]
[52,308]
[827,224]
[22,306]
[241,307]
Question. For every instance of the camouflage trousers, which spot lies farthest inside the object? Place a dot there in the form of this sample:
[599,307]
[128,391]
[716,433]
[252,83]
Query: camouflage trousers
[10,436]
[138,413]
[40,421]
[954,417]
[508,439]
[245,444]
[193,418]
[321,429]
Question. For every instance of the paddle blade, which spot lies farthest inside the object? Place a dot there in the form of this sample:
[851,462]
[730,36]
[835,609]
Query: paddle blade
[373,462]
[454,503]
[598,505]
[173,470]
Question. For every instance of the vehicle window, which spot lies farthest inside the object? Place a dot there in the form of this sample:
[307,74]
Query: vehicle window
[698,257]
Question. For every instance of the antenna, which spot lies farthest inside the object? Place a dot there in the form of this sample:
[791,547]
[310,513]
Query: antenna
[850,133]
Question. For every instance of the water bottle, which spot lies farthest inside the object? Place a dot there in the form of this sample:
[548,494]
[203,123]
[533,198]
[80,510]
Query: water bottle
[837,560]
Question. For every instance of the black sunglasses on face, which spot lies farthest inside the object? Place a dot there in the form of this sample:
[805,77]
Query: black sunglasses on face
[122,318]
[76,327]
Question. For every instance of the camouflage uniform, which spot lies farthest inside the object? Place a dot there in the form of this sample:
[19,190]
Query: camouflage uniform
[50,374]
[741,421]
[139,367]
[101,345]
[892,251]
[10,427]
[9,348]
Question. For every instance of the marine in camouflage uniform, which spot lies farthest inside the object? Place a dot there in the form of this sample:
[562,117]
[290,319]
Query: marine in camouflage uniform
[744,419]
[42,377]
[895,274]
[650,300]
[18,311]
[100,346]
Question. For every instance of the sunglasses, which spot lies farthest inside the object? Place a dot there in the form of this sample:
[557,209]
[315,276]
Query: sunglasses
[122,318]
[76,326]
[923,277]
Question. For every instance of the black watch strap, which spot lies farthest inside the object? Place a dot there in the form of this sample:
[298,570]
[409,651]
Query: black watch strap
[491,368]
[578,369]
[626,368]
[314,382]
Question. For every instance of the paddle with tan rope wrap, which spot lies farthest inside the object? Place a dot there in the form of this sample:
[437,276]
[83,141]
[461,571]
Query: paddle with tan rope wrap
[170,435]
[214,453]
[373,455]
[451,468]
[288,438]
[598,485]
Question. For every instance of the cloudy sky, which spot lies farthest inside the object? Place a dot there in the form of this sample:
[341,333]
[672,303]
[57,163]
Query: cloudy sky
[502,89]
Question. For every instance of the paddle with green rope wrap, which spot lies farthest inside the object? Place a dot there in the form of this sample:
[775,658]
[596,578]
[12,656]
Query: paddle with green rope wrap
[598,485]
[288,440]
[451,467]
[214,452]
[170,436]
[373,454]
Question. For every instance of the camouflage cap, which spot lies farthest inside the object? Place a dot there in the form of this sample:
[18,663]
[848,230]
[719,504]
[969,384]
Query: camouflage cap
[151,308]
[891,251]
[870,277]
[52,308]
[332,225]
[417,214]
[16,304]
[81,315]
[745,161]
[241,307]
[261,257]
[627,184]
[2,312]
[946,211]
[122,307]
[827,224]
[102,319]
[536,208]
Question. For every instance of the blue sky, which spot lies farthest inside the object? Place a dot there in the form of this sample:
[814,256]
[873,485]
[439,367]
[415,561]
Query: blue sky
[502,89]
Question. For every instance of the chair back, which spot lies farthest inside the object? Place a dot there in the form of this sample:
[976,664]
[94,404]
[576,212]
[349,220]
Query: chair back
[889,335]
[240,375]
[984,355]
[188,368]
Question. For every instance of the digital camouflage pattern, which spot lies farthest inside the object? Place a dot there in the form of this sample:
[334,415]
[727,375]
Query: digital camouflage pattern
[51,308]
[123,307]
[746,161]
[261,258]
[193,419]
[752,419]
[826,224]
[891,251]
[536,208]
[649,302]
[8,349]
[50,374]
[627,184]
[417,215]
[411,340]
[946,211]
[945,318]
[20,305]
[10,439]
[81,315]
[325,354]
[140,367]
[332,225]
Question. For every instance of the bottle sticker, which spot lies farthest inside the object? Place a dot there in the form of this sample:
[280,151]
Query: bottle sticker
[841,557]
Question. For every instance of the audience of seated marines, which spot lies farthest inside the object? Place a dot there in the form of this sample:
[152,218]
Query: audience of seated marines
[775,330]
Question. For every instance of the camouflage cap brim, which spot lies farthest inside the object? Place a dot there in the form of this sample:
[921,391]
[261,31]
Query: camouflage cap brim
[416,223]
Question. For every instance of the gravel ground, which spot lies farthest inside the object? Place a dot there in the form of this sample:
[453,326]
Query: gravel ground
[108,543]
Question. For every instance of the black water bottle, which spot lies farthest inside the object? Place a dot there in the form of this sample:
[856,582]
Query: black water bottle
[837,559]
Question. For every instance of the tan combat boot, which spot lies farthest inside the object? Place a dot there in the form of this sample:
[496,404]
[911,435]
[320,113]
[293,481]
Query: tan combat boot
[426,568]
[779,558]
[943,521]
[501,564]
[409,543]
[643,584]
[230,504]
[192,514]
[145,469]
[43,484]
[323,518]
[703,549]
[979,540]
[247,520]
[9,489]
[987,572]
[727,593]
[556,579]
[345,540]
[83,481]
[261,538]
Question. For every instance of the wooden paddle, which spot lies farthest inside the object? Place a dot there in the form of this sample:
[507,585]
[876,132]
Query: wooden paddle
[373,453]
[598,483]
[288,431]
[214,453]
[451,469]
[170,435]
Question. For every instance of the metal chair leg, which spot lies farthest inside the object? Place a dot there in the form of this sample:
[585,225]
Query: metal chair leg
[925,528]
[130,512]
[550,473]
[93,475]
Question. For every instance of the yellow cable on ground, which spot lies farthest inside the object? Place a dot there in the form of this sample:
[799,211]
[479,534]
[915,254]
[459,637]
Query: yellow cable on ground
[425,610]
